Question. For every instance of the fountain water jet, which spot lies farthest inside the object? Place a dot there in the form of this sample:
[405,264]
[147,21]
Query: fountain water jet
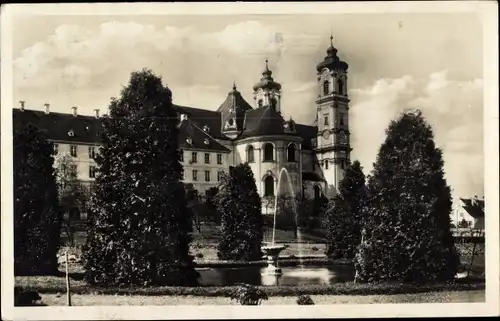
[273,250]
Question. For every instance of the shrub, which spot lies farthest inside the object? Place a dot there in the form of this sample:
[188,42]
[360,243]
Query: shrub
[407,217]
[23,297]
[240,206]
[139,231]
[37,214]
[246,294]
[343,219]
[305,300]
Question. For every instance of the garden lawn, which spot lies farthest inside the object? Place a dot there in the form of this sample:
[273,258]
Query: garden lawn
[110,300]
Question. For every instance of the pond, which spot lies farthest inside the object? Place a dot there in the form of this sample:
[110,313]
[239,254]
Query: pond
[316,275]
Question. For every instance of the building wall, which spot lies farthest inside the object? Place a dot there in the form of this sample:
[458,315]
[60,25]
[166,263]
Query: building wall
[201,167]
[82,160]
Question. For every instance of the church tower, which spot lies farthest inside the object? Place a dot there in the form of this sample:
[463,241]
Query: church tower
[267,92]
[332,106]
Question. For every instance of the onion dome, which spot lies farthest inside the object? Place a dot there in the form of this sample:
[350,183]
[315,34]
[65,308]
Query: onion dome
[267,81]
[332,61]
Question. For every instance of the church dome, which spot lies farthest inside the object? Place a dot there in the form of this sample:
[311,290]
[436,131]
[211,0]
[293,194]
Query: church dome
[267,81]
[332,61]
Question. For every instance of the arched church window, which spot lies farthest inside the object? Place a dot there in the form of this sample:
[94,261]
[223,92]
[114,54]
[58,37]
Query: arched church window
[326,87]
[326,164]
[341,87]
[268,152]
[326,121]
[341,119]
[291,153]
[260,103]
[250,154]
[317,192]
[269,186]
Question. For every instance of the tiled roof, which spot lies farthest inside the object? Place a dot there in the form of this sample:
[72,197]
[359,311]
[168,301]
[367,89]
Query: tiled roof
[61,127]
[264,121]
[202,117]
[236,102]
[191,136]
[475,210]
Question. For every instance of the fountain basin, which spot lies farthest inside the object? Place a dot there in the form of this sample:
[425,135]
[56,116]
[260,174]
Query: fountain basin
[272,253]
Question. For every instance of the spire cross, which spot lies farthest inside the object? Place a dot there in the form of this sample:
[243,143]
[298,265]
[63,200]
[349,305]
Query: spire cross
[266,64]
[234,85]
[331,39]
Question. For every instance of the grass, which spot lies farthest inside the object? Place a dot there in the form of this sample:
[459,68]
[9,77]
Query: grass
[113,300]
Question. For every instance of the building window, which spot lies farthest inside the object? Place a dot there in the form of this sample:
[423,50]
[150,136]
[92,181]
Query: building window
[326,88]
[269,186]
[195,175]
[92,170]
[259,103]
[326,164]
[250,154]
[219,159]
[341,87]
[207,158]
[219,175]
[268,152]
[317,192]
[291,153]
[207,176]
[181,158]
[91,152]
[326,121]
[56,149]
[194,157]
[72,150]
[73,170]
[341,119]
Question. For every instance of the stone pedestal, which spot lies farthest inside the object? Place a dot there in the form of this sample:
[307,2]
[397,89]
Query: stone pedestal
[272,253]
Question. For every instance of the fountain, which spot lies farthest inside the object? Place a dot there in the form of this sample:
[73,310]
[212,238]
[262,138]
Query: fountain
[272,251]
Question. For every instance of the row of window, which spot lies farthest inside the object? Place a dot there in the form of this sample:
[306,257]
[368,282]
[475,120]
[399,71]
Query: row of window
[340,120]
[194,175]
[73,170]
[73,150]
[326,87]
[194,158]
[343,164]
[269,153]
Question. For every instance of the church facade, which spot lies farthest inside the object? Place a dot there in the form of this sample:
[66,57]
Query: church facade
[310,159]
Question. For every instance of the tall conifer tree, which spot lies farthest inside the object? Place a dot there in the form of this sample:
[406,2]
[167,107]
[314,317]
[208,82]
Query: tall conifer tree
[407,233]
[140,225]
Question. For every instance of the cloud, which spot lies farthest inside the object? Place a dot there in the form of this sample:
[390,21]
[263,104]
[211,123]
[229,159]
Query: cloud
[453,107]
[74,56]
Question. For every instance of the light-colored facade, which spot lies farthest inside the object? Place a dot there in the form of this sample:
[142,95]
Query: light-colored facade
[285,157]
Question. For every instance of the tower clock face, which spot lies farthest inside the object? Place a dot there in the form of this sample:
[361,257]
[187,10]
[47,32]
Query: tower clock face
[326,134]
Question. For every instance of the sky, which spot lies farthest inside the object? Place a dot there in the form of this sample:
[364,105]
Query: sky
[432,62]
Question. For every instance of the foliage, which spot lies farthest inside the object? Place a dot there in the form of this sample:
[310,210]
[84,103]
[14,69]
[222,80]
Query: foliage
[246,294]
[193,205]
[240,206]
[73,194]
[37,215]
[210,205]
[408,237]
[58,285]
[343,220]
[25,297]
[305,300]
[140,225]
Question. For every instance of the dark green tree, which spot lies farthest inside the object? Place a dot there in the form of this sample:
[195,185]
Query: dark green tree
[211,205]
[37,214]
[343,218]
[407,235]
[140,227]
[239,204]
